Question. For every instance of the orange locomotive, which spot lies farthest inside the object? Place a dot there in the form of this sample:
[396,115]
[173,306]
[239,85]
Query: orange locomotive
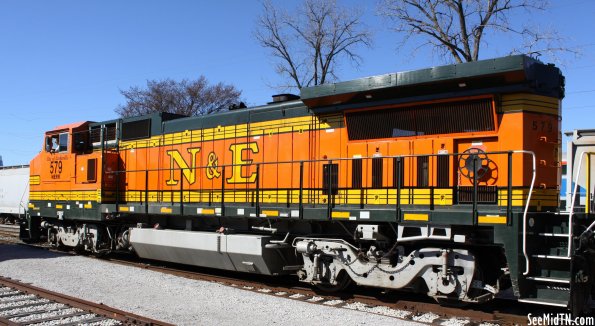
[438,180]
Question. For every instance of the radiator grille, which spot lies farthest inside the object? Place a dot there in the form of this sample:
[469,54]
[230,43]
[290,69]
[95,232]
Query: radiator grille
[427,119]
[485,194]
[110,133]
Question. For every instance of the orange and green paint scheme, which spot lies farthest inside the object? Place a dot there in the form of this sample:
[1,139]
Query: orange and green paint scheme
[282,158]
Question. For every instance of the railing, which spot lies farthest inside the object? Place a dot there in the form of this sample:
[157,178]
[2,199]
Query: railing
[527,261]
[309,179]
[331,181]
[587,201]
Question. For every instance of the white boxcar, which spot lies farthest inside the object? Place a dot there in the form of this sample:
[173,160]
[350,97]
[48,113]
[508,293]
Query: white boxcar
[582,142]
[14,190]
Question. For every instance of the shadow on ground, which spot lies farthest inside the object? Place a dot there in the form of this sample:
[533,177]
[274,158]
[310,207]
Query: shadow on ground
[15,251]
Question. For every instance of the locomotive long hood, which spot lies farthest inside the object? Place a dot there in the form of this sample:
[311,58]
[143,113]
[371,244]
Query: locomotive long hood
[500,75]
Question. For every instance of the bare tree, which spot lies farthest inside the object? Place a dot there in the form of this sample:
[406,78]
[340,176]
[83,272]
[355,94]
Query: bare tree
[187,97]
[457,28]
[310,42]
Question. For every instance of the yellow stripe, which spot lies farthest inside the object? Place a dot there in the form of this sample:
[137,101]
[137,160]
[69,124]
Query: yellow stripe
[34,180]
[416,217]
[444,197]
[208,211]
[58,206]
[487,219]
[271,213]
[340,214]
[166,210]
[531,103]
[123,209]
[88,205]
[533,109]
[227,132]
[540,197]
[90,195]
[530,97]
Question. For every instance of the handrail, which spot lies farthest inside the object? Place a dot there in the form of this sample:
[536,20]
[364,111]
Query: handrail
[398,157]
[527,262]
[314,161]
[571,214]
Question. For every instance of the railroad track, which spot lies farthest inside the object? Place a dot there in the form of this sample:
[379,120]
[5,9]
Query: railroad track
[24,304]
[9,233]
[395,304]
[10,229]
[401,305]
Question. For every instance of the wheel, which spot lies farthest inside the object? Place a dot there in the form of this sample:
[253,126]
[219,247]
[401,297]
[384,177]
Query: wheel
[450,302]
[343,282]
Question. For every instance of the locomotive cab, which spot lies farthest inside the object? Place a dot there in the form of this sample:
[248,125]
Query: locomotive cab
[69,179]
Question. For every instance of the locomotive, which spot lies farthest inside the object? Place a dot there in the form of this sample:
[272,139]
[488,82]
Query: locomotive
[444,181]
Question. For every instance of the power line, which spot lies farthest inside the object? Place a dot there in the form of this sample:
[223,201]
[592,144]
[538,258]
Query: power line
[569,4]
[579,107]
[580,92]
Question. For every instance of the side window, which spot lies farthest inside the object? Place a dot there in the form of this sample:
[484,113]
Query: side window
[80,142]
[56,143]
[48,144]
[63,144]
[52,143]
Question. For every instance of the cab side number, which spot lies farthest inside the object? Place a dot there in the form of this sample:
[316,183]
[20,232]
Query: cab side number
[56,169]
[542,125]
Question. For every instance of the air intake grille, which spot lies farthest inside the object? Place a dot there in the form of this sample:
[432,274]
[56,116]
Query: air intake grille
[485,194]
[428,119]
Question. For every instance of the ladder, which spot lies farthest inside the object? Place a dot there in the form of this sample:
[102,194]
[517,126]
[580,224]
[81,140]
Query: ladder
[550,238]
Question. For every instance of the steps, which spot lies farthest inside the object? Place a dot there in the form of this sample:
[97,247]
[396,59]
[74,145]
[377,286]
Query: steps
[545,302]
[548,280]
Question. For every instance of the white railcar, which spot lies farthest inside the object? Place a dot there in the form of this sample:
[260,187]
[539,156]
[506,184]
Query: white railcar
[14,192]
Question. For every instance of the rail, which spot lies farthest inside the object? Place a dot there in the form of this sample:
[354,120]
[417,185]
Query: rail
[575,190]
[100,309]
[306,181]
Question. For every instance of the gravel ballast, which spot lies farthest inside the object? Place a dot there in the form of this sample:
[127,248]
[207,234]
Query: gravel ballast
[169,298]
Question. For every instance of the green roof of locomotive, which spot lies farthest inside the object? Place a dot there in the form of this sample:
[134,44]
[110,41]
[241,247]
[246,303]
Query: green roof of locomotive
[500,75]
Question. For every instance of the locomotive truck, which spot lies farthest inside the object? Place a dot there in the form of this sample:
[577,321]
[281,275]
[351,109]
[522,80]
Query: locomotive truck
[443,181]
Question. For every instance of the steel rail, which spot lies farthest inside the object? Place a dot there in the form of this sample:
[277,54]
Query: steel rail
[96,308]
[500,311]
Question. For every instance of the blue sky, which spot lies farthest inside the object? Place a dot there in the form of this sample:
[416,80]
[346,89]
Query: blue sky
[65,61]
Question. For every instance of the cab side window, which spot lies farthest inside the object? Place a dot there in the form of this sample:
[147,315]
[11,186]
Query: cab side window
[48,143]
[63,142]
[56,143]
[51,144]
